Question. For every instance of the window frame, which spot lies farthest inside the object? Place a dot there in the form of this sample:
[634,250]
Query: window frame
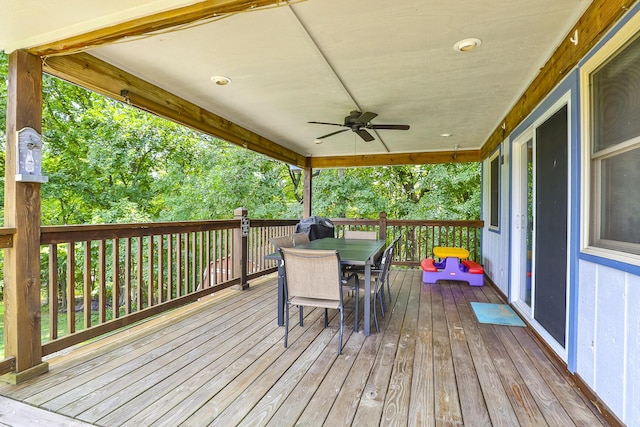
[591,179]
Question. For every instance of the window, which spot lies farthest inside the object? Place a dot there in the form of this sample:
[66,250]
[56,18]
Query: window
[614,147]
[494,191]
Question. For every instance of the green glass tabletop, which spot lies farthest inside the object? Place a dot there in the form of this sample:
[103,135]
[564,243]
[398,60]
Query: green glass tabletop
[352,251]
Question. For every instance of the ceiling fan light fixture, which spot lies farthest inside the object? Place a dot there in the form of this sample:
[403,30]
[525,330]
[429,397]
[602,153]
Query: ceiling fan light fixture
[467,45]
[359,122]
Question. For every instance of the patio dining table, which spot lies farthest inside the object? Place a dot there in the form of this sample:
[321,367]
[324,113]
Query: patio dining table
[352,252]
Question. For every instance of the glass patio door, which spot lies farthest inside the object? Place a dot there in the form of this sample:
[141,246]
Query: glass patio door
[522,226]
[540,223]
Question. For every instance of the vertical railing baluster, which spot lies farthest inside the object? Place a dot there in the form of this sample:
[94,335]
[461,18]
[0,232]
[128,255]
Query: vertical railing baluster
[208,257]
[53,291]
[170,258]
[127,276]
[150,271]
[140,276]
[200,269]
[161,293]
[87,283]
[71,287]
[187,264]
[102,281]
[178,264]
[224,257]
[115,278]
[216,256]
[194,262]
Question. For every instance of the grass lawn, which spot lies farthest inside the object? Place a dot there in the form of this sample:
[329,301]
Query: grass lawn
[62,324]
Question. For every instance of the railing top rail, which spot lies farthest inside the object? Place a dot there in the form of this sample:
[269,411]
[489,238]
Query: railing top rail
[78,233]
[467,223]
[409,222]
[354,221]
[273,222]
[4,231]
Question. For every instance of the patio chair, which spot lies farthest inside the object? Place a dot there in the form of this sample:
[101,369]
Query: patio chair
[314,279]
[381,277]
[358,235]
[281,242]
[300,238]
[362,235]
[382,264]
[390,251]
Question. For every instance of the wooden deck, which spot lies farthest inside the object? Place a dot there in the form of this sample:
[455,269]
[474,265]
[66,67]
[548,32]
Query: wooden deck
[221,362]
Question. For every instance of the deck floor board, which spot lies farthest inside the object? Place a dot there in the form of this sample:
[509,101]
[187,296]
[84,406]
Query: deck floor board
[221,361]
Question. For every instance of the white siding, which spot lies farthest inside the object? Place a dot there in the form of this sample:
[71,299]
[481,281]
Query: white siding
[632,390]
[609,337]
[587,316]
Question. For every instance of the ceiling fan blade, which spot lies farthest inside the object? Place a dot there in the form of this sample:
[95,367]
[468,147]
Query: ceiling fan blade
[325,123]
[332,133]
[366,117]
[396,127]
[364,135]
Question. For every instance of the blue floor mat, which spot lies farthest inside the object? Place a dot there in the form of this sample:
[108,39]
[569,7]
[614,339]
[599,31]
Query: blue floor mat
[497,314]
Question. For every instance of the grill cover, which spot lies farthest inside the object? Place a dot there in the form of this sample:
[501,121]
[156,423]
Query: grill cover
[316,227]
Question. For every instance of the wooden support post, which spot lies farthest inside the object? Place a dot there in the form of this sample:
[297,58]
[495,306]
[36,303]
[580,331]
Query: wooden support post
[306,192]
[383,226]
[22,211]
[240,249]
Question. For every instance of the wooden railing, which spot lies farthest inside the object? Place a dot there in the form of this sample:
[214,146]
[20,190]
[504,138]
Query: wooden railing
[419,237]
[98,278]
[101,277]
[261,231]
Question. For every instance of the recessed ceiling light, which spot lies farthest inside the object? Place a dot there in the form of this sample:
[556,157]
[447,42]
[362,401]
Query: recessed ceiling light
[445,135]
[318,141]
[221,80]
[467,45]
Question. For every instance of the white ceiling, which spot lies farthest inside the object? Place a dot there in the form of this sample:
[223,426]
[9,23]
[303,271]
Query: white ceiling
[317,60]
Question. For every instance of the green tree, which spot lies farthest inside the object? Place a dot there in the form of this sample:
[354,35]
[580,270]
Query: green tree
[442,191]
[103,157]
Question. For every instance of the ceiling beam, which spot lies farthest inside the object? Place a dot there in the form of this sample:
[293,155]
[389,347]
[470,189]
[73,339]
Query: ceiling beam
[599,17]
[464,156]
[94,74]
[148,24]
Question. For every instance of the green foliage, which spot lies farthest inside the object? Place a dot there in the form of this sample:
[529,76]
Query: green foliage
[443,191]
[224,178]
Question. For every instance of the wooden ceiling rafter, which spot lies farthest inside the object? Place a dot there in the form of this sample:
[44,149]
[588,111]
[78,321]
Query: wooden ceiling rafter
[463,156]
[94,74]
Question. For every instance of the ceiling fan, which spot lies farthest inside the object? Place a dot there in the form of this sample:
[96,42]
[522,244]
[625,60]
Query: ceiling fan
[358,122]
